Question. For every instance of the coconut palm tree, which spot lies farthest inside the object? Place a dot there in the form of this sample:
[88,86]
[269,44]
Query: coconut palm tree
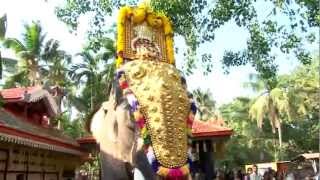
[3,28]
[56,64]
[272,105]
[95,78]
[29,50]
[205,103]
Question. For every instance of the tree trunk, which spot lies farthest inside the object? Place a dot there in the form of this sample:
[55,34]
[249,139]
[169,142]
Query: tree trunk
[91,98]
[0,66]
[280,140]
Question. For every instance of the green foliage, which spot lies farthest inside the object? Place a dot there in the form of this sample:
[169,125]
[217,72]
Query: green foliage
[19,78]
[37,58]
[197,21]
[96,80]
[250,144]
[3,26]
[205,104]
[74,128]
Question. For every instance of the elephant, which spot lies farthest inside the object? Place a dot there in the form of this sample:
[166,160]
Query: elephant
[115,129]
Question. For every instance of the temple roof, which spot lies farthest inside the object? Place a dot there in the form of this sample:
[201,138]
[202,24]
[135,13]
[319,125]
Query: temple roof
[211,128]
[29,95]
[15,129]
[18,131]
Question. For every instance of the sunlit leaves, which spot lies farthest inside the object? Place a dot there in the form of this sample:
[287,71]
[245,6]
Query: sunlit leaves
[3,26]
[198,20]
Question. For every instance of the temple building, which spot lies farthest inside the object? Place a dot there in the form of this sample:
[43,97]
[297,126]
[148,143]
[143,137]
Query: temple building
[31,148]
[208,142]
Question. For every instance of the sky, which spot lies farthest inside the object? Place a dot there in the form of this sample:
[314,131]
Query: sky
[224,87]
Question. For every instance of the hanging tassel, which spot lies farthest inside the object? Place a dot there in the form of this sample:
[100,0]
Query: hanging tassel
[137,115]
[185,170]
[162,171]
[175,173]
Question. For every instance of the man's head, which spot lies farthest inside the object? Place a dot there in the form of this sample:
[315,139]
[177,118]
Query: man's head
[249,170]
[255,168]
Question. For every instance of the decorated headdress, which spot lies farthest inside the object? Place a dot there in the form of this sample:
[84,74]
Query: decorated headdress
[139,26]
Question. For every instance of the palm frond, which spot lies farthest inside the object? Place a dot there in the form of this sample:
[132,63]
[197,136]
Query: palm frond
[3,26]
[18,79]
[86,56]
[50,50]
[33,38]
[14,44]
[26,55]
[281,101]
[259,109]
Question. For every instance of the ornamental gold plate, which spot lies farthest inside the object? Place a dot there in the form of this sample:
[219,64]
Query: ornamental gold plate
[165,104]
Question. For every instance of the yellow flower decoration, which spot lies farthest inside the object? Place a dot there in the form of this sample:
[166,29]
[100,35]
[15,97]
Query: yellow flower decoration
[170,51]
[144,132]
[121,33]
[137,115]
[137,16]
[166,25]
[162,171]
[154,20]
[185,169]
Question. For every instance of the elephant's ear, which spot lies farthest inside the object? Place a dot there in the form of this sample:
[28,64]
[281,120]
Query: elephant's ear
[115,96]
[106,106]
[96,124]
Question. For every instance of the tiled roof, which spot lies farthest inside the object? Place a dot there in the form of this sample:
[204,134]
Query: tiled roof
[14,129]
[211,128]
[17,93]
[29,95]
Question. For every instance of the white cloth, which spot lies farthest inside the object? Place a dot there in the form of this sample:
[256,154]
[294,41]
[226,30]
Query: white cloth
[137,175]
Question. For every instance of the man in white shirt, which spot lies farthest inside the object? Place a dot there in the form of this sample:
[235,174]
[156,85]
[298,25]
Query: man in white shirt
[255,175]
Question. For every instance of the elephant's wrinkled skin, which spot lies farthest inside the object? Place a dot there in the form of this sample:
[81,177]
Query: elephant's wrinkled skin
[116,134]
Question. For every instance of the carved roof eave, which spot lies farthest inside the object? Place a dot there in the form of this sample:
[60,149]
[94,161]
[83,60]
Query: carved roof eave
[40,94]
[35,95]
[39,142]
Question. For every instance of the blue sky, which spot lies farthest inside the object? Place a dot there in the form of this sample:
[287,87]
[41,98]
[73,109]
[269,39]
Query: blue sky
[230,37]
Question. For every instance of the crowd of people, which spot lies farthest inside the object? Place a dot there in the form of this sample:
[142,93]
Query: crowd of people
[253,174]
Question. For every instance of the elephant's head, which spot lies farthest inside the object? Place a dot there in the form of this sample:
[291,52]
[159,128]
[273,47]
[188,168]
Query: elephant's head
[115,132]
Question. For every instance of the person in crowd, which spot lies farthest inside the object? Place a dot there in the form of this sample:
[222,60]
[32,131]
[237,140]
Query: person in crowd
[255,175]
[249,172]
[238,175]
[269,174]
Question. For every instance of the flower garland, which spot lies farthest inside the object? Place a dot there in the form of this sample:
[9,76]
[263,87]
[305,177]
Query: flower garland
[134,107]
[138,15]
